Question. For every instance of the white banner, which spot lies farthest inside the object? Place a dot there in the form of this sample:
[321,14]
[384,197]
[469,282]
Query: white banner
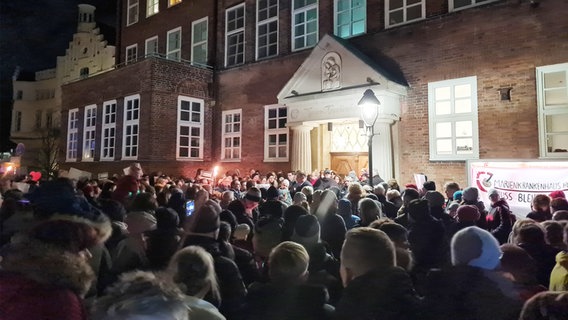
[517,181]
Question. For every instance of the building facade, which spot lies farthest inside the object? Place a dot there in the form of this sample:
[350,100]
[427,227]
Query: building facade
[274,85]
[37,101]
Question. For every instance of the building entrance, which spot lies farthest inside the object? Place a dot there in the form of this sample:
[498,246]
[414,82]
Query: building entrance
[344,162]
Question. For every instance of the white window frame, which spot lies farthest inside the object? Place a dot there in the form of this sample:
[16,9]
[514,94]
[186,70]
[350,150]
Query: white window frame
[72,135]
[204,43]
[351,22]
[132,12]
[474,3]
[276,131]
[131,120]
[148,43]
[89,132]
[404,8]
[453,117]
[131,54]
[235,32]
[234,133]
[545,109]
[304,10]
[108,131]
[190,124]
[267,22]
[152,7]
[175,51]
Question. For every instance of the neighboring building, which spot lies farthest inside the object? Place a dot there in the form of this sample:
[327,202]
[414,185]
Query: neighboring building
[37,99]
[274,85]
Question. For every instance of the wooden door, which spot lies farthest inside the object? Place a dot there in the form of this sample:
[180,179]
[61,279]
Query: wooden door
[343,162]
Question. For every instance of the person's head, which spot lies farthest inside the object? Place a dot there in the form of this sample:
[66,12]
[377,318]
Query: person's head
[557,204]
[435,199]
[546,306]
[379,190]
[300,177]
[369,211]
[450,188]
[139,222]
[205,221]
[531,234]
[288,263]
[516,261]
[69,236]
[541,203]
[554,232]
[429,186]
[419,209]
[475,247]
[393,184]
[227,196]
[306,230]
[166,218]
[364,250]
[393,195]
[267,235]
[467,213]
[560,215]
[470,195]
[141,295]
[493,195]
[144,201]
[409,194]
[397,233]
[520,223]
[192,269]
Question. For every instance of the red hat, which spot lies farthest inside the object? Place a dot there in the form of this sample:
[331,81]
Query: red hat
[557,194]
[411,185]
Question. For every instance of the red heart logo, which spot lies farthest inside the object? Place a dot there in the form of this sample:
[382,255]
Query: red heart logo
[35,175]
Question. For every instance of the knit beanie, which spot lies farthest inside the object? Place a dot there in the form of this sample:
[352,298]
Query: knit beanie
[475,247]
[557,194]
[470,194]
[267,235]
[166,218]
[140,221]
[272,193]
[272,208]
[435,199]
[468,213]
[306,231]
[457,196]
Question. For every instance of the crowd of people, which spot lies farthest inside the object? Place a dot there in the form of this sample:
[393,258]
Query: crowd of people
[278,245]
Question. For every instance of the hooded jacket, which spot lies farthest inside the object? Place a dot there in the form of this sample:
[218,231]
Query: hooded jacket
[39,281]
[559,275]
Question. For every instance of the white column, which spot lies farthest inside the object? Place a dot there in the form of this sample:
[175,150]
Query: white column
[382,149]
[301,155]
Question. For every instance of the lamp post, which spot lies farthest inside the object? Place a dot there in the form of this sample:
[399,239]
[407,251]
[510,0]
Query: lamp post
[369,105]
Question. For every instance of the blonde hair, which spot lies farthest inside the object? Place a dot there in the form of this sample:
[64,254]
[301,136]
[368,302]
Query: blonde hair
[288,262]
[517,226]
[365,249]
[192,269]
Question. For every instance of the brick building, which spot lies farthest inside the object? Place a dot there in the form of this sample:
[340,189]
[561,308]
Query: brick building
[274,85]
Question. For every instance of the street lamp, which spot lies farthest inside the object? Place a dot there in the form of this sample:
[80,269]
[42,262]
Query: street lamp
[369,105]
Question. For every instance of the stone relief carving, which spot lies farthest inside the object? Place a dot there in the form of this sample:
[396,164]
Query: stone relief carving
[331,71]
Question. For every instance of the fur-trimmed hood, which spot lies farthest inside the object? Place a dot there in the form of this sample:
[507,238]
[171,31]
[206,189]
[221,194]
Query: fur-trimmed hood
[46,264]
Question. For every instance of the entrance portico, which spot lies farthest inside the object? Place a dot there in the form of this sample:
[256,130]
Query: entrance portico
[319,96]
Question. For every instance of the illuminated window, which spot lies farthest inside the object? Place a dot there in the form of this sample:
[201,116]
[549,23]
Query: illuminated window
[89,129]
[267,28]
[173,2]
[72,134]
[131,127]
[190,128]
[152,7]
[552,99]
[199,35]
[304,24]
[108,139]
[452,115]
[275,133]
[231,143]
[350,18]
[235,35]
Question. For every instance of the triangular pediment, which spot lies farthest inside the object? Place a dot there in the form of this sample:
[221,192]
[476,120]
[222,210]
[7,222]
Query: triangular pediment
[335,65]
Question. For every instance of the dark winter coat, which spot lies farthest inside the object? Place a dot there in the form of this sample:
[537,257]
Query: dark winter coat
[385,294]
[470,293]
[38,281]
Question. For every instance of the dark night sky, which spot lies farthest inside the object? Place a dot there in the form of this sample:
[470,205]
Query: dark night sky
[32,34]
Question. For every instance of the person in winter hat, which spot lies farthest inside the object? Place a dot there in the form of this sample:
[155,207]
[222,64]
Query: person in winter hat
[471,196]
[45,273]
[484,293]
[346,212]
